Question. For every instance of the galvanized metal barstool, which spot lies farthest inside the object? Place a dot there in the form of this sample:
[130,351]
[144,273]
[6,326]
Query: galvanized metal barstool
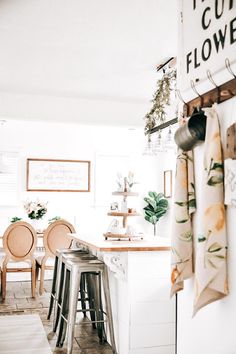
[86,287]
[89,285]
[57,282]
[74,268]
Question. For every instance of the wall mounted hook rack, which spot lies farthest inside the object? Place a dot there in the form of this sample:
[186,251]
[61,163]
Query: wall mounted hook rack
[219,94]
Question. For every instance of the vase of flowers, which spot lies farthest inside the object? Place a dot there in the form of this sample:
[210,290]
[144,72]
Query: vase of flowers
[35,211]
[125,183]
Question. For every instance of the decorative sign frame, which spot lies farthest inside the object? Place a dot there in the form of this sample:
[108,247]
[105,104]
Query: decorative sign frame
[168,184]
[207,39]
[50,175]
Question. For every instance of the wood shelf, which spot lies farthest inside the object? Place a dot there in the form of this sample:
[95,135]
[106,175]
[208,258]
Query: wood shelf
[126,194]
[119,213]
[121,236]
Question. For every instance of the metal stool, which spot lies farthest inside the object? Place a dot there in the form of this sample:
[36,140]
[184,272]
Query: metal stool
[89,285]
[86,287]
[71,286]
[55,291]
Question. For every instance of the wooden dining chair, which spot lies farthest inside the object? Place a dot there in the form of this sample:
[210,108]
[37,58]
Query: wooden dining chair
[19,242]
[54,237]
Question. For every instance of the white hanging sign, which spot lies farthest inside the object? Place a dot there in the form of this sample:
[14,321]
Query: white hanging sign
[207,38]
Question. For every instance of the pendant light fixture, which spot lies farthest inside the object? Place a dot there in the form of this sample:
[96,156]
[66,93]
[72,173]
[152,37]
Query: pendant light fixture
[148,150]
[158,143]
[169,140]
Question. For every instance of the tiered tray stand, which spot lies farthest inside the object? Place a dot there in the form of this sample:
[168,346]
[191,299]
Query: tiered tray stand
[124,216]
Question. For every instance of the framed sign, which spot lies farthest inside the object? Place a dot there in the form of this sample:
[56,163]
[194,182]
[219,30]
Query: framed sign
[207,38]
[58,175]
[168,184]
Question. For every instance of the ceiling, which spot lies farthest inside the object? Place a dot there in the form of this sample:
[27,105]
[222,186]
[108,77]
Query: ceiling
[85,61]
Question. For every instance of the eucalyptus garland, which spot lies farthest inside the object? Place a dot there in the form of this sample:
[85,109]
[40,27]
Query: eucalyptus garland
[161,99]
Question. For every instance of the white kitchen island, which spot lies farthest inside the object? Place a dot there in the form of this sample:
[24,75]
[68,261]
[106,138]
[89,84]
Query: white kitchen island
[139,276]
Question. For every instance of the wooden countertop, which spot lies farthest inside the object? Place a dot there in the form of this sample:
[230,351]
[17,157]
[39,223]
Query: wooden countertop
[98,243]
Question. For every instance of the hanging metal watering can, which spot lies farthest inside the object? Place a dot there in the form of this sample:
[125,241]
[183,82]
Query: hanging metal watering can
[192,132]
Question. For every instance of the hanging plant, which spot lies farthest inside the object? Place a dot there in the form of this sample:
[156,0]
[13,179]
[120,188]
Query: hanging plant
[161,99]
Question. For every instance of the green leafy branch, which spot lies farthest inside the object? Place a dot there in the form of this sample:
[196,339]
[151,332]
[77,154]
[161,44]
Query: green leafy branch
[161,99]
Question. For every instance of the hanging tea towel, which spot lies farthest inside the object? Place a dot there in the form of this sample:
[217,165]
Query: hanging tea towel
[211,267]
[182,235]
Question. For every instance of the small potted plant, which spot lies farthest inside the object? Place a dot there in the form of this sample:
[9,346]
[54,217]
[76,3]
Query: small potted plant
[156,207]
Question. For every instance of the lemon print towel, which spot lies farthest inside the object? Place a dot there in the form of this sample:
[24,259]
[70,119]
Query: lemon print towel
[211,243]
[182,234]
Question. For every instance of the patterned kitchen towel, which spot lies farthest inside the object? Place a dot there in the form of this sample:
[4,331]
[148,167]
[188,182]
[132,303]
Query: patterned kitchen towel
[182,234]
[211,256]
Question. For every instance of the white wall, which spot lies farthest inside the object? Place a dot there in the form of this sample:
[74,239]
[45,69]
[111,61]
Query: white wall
[71,141]
[212,330]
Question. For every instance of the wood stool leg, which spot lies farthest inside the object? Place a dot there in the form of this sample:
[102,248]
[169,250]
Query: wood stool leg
[41,283]
[33,278]
[4,282]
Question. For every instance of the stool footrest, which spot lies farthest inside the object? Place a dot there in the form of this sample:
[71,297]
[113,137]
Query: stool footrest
[88,322]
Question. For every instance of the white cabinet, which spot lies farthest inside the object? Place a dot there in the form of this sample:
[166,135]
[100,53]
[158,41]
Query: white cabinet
[144,314]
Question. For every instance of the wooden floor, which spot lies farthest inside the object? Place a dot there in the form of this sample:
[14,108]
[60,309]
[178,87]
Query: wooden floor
[19,301]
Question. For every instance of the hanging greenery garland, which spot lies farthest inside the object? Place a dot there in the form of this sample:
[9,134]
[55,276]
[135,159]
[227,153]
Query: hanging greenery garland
[161,99]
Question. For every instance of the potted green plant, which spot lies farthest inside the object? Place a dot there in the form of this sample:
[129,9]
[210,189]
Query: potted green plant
[156,207]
